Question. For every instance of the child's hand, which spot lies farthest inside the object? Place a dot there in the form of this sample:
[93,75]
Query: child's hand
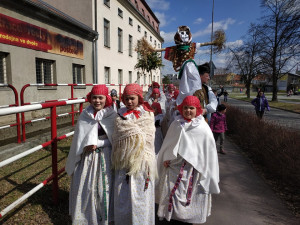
[90,148]
[166,163]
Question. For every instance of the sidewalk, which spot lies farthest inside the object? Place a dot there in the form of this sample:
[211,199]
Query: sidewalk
[245,198]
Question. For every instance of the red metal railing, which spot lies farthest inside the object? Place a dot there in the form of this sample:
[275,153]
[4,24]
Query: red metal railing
[52,142]
[17,114]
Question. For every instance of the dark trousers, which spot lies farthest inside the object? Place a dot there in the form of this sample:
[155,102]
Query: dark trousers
[222,138]
[260,114]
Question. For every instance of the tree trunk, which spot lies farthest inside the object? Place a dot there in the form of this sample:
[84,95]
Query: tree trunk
[275,88]
[248,89]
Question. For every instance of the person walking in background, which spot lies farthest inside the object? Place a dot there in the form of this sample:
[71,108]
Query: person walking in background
[261,104]
[218,125]
[116,104]
[225,93]
[89,161]
[188,167]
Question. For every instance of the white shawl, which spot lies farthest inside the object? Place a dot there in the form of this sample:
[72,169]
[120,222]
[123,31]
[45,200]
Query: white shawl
[195,143]
[189,82]
[86,133]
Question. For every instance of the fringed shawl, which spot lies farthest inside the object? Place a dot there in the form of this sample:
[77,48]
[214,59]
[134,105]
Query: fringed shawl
[133,145]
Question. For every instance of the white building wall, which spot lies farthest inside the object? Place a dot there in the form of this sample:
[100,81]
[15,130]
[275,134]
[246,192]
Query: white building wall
[110,57]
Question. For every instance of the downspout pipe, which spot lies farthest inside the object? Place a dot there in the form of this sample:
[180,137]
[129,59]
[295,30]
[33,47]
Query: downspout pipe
[95,48]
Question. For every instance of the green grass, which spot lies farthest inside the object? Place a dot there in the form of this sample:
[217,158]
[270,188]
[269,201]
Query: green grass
[280,105]
[21,176]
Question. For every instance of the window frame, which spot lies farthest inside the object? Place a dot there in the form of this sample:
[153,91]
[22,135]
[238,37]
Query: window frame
[82,75]
[107,3]
[130,21]
[120,40]
[120,76]
[107,77]
[120,13]
[130,77]
[106,33]
[43,66]
[130,45]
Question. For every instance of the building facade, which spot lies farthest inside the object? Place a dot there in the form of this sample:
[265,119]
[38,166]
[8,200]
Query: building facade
[120,24]
[40,44]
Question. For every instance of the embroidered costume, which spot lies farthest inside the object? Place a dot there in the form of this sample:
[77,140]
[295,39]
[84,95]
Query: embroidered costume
[185,186]
[134,163]
[91,177]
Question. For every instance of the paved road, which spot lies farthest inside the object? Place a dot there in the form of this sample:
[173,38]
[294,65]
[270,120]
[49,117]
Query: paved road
[245,198]
[277,116]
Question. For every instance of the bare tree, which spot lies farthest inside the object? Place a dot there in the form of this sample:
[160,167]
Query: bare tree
[280,37]
[246,58]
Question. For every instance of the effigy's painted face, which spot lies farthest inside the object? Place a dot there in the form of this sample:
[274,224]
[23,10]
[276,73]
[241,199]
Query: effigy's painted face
[184,35]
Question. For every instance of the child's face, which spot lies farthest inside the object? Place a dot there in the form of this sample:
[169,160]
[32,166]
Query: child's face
[114,98]
[131,101]
[156,96]
[98,101]
[189,112]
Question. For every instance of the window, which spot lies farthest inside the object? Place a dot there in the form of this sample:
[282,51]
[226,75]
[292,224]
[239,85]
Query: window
[120,76]
[145,34]
[106,2]
[143,12]
[130,45]
[107,75]
[120,12]
[130,21]
[148,18]
[3,68]
[120,40]
[136,4]
[106,33]
[153,24]
[139,28]
[145,79]
[138,53]
[154,43]
[151,38]
[44,71]
[158,45]
[138,76]
[78,74]
[130,77]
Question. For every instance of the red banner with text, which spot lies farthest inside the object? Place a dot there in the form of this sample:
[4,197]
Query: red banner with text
[26,35]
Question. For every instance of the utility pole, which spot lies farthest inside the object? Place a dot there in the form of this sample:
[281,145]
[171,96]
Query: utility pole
[211,39]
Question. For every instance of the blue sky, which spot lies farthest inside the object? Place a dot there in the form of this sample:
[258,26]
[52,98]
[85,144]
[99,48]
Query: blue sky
[233,16]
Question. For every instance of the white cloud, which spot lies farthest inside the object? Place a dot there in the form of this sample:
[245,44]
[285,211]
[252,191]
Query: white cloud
[159,4]
[198,21]
[163,19]
[236,43]
[223,24]
[168,37]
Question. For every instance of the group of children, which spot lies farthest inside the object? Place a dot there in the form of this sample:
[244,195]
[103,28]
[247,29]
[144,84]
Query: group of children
[121,164]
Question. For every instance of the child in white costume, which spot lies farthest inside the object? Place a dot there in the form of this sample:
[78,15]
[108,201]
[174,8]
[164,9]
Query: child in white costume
[89,161]
[133,160]
[156,97]
[188,165]
[158,123]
